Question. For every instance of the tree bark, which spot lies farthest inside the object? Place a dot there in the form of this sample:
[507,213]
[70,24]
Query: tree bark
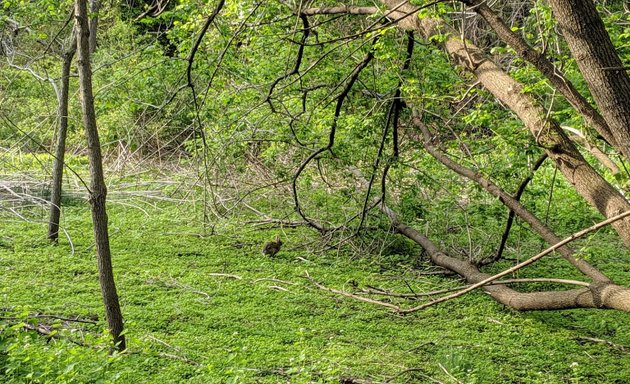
[60,149]
[94,8]
[98,190]
[597,295]
[587,182]
[553,74]
[341,9]
[599,63]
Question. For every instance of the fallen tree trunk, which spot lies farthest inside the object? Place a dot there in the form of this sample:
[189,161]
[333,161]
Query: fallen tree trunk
[600,294]
[597,295]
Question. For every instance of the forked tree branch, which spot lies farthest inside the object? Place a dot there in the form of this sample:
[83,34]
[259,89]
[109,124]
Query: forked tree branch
[331,135]
[509,201]
[298,60]
[392,119]
[512,214]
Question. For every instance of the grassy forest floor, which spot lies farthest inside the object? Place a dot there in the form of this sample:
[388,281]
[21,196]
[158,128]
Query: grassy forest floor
[210,308]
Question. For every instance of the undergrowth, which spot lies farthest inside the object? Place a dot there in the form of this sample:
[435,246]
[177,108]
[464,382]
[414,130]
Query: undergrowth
[205,306]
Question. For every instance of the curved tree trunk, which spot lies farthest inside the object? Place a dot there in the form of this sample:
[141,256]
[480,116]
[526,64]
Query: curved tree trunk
[599,63]
[98,190]
[553,74]
[598,295]
[60,149]
[587,182]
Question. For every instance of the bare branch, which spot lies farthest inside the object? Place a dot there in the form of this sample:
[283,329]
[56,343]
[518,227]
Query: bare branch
[352,296]
[512,214]
[226,275]
[509,201]
[622,348]
[342,9]
[525,263]
[331,136]
[377,291]
[195,47]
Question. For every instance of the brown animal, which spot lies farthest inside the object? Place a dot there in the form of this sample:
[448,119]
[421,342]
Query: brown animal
[272,247]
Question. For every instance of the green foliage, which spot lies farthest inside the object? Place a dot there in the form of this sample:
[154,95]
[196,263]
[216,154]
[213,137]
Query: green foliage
[26,356]
[187,323]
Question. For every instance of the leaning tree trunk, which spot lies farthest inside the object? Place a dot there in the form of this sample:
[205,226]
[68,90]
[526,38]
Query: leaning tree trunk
[586,181]
[94,8]
[599,63]
[599,294]
[546,67]
[98,190]
[60,150]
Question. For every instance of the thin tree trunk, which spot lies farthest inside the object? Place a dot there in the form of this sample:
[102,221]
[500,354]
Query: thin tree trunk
[587,182]
[60,150]
[98,190]
[599,63]
[94,8]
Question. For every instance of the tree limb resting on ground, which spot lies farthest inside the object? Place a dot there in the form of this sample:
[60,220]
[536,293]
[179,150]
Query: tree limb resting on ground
[600,294]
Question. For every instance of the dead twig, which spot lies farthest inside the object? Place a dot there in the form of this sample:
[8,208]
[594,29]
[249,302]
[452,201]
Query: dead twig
[277,223]
[619,347]
[177,349]
[420,346]
[49,331]
[228,275]
[199,235]
[347,294]
[274,280]
[378,291]
[279,288]
[176,284]
[418,371]
[449,374]
[44,316]
[177,357]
